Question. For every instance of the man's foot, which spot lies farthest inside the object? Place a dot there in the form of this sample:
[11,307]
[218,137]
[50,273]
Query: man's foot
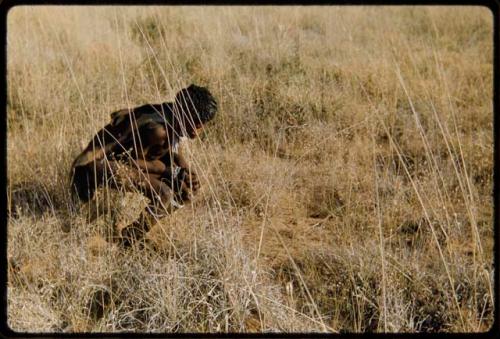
[134,234]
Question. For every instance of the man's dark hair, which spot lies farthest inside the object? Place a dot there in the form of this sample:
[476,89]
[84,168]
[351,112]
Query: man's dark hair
[197,102]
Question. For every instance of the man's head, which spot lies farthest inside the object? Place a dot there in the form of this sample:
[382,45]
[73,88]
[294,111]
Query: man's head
[193,107]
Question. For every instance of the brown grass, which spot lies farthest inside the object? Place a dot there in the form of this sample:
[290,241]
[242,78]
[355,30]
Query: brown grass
[347,178]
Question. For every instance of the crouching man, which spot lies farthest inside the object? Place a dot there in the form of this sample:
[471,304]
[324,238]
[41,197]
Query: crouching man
[139,150]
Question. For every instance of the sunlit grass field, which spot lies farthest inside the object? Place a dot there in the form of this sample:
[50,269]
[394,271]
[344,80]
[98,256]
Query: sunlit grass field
[346,180]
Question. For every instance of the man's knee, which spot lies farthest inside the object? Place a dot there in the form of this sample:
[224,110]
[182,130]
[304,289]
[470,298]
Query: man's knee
[162,199]
[160,192]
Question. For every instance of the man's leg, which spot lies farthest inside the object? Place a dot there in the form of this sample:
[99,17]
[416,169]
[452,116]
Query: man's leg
[156,190]
[144,177]
[87,178]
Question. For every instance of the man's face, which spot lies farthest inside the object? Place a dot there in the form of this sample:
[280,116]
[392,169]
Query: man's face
[193,130]
[187,128]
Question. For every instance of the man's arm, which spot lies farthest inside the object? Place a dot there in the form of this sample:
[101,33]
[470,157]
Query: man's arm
[149,167]
[180,161]
[190,178]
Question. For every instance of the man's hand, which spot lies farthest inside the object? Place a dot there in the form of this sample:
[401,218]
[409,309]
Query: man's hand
[191,180]
[189,184]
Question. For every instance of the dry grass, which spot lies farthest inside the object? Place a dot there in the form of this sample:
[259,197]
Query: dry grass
[346,181]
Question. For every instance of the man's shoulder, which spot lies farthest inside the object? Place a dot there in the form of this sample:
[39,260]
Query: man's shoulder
[154,113]
[145,114]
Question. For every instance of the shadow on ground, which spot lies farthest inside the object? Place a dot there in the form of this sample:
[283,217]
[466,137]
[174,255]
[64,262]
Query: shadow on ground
[33,198]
